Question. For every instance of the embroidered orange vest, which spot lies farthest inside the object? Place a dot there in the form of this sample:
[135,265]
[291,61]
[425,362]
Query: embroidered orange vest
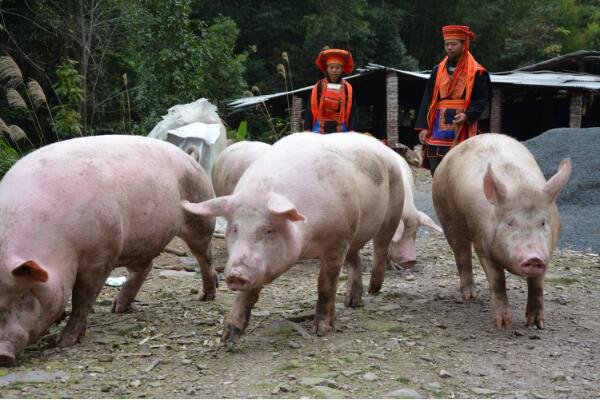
[334,104]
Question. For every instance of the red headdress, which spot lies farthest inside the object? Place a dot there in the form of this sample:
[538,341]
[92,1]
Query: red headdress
[459,32]
[337,56]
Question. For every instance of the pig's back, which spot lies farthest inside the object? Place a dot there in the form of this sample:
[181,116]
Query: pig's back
[458,181]
[87,188]
[233,162]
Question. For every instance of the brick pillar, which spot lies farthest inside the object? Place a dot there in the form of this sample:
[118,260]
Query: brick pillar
[391,120]
[296,124]
[576,105]
[496,112]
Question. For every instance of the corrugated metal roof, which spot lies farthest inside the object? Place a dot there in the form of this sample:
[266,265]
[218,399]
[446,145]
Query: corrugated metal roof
[559,60]
[559,80]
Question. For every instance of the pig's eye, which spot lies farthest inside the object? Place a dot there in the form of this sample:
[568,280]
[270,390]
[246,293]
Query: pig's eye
[543,224]
[268,231]
[511,224]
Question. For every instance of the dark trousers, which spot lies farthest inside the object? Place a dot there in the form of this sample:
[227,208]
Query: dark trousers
[433,163]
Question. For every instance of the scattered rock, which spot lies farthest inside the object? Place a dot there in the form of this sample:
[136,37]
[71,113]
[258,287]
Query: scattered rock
[135,383]
[558,376]
[329,393]
[370,377]
[106,358]
[404,394]
[294,345]
[445,374]
[409,277]
[435,387]
[559,389]
[194,291]
[261,314]
[482,391]
[311,381]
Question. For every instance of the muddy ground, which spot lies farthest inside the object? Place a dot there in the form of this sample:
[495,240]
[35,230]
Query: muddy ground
[416,338]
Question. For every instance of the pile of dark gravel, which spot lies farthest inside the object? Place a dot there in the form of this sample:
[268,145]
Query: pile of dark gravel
[579,201]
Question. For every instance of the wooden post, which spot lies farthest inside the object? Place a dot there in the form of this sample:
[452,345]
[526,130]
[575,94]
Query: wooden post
[576,105]
[496,112]
[391,89]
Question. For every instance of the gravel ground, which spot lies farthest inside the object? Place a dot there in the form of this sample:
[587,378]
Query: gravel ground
[417,338]
[579,202]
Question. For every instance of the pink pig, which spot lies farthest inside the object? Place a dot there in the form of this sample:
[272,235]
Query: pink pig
[490,193]
[233,162]
[310,196]
[75,210]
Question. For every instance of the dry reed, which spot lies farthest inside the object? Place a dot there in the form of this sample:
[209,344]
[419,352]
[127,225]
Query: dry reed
[11,71]
[15,99]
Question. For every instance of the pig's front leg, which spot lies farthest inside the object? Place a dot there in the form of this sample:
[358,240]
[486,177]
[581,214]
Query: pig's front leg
[327,289]
[86,290]
[355,285]
[239,316]
[501,312]
[535,302]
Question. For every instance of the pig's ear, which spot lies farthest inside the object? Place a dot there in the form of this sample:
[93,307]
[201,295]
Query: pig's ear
[30,270]
[494,190]
[559,180]
[399,232]
[425,220]
[281,205]
[221,206]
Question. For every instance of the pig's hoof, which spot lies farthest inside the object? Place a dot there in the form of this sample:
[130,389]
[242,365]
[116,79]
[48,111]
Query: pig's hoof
[374,288]
[230,334]
[68,340]
[323,328]
[208,296]
[353,301]
[468,293]
[503,321]
[535,320]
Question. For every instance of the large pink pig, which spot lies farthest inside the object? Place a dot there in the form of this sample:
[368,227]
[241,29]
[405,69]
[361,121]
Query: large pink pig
[75,210]
[402,248]
[490,192]
[233,162]
[310,196]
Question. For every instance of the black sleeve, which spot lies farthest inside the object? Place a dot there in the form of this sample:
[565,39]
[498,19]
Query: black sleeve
[482,93]
[308,117]
[421,122]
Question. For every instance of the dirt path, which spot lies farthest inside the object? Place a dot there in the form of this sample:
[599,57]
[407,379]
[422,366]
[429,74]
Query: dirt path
[416,338]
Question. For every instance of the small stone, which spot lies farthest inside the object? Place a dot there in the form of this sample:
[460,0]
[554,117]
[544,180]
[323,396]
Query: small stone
[534,337]
[294,345]
[389,307]
[311,381]
[445,374]
[530,347]
[261,314]
[433,387]
[275,391]
[187,361]
[105,389]
[135,383]
[559,389]
[558,376]
[482,391]
[404,394]
[285,388]
[517,333]
[194,291]
[370,377]
[106,358]
[329,393]
[190,391]
[201,366]
[409,278]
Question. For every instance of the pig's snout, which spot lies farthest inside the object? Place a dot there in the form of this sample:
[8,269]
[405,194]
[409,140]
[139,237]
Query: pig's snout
[533,265]
[7,356]
[237,281]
